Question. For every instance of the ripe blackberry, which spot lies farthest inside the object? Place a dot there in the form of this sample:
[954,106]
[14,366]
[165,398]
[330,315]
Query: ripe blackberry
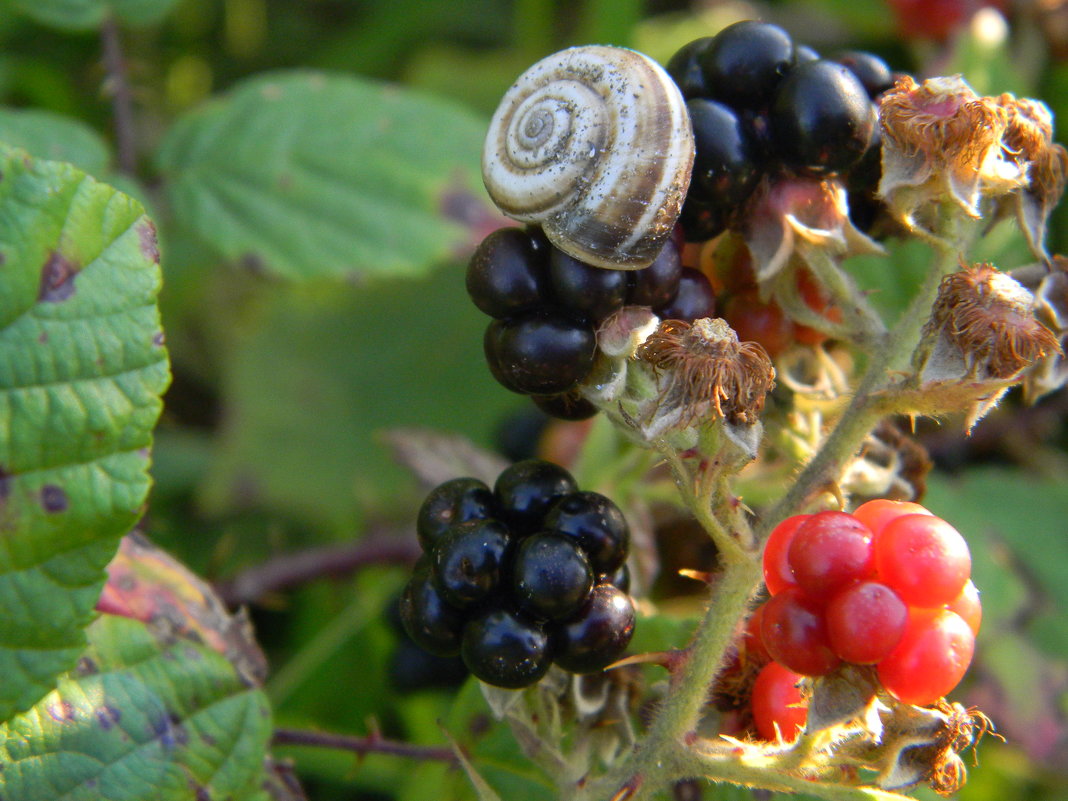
[506,649]
[725,169]
[429,620]
[541,353]
[657,284]
[468,560]
[745,62]
[685,68]
[551,576]
[873,73]
[596,524]
[565,406]
[508,274]
[583,290]
[597,636]
[507,591]
[455,501]
[822,119]
[694,300]
[526,490]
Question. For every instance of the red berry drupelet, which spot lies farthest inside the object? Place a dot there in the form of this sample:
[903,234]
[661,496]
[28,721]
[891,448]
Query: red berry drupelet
[887,586]
[516,578]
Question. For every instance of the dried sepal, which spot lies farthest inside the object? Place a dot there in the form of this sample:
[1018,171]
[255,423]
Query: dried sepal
[1049,284]
[943,142]
[796,218]
[890,465]
[987,316]
[980,338]
[1028,141]
[702,369]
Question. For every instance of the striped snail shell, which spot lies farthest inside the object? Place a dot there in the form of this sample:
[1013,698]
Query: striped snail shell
[594,144]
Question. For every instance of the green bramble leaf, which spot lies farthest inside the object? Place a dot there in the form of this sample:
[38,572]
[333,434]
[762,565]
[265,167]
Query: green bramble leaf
[304,174]
[140,718]
[46,135]
[82,368]
[80,15]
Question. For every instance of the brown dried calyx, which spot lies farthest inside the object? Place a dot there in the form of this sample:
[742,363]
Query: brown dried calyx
[989,317]
[702,367]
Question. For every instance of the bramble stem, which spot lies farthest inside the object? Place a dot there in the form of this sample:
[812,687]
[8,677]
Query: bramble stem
[663,755]
[371,744]
[866,407]
[118,87]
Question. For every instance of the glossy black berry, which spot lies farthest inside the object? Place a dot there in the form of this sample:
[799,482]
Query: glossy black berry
[724,167]
[598,635]
[657,284]
[583,290]
[694,300]
[596,524]
[567,406]
[619,579]
[491,348]
[873,73]
[507,274]
[540,353]
[456,501]
[527,489]
[822,119]
[468,561]
[551,576]
[745,62]
[432,624]
[804,53]
[506,649]
[685,68]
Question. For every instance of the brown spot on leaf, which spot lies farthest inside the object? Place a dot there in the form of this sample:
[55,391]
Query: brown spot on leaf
[108,716]
[149,242]
[53,499]
[57,278]
[158,339]
[86,667]
[42,338]
[62,711]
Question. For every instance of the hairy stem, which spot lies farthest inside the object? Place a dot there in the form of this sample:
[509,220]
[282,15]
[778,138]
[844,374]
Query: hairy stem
[866,407]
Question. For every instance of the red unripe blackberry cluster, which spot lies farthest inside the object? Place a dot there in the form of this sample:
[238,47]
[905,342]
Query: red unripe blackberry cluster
[888,586]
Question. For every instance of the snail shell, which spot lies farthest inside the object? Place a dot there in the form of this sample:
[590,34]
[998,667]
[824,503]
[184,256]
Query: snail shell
[595,144]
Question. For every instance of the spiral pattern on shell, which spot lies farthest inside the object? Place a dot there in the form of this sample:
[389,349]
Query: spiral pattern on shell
[594,144]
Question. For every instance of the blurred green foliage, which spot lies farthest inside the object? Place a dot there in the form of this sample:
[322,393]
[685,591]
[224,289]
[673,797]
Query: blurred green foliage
[313,298]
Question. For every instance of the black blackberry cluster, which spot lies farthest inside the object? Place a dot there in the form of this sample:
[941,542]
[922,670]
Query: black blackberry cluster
[762,105]
[518,577]
[547,306]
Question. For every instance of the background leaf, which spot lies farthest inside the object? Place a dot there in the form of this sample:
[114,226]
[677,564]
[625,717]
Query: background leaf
[46,135]
[306,174]
[88,14]
[82,367]
[326,367]
[140,718]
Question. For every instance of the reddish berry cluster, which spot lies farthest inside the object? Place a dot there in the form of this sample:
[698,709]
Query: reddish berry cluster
[888,585]
[755,320]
